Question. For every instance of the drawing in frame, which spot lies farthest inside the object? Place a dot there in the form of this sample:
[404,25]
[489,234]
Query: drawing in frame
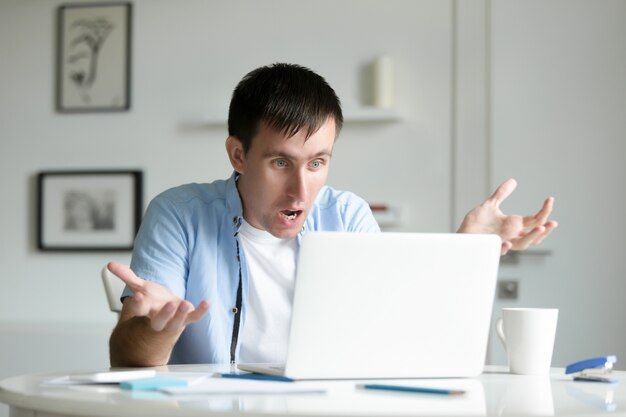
[93,57]
[89,210]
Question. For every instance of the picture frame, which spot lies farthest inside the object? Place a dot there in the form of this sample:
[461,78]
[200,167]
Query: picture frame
[93,57]
[89,210]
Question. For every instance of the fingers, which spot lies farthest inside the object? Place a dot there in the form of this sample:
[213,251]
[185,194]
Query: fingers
[126,274]
[170,315]
[173,318]
[136,306]
[506,245]
[503,191]
[542,215]
[525,241]
[534,237]
[550,226]
[199,311]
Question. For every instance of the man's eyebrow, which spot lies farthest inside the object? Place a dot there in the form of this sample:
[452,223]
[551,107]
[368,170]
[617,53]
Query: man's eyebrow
[271,154]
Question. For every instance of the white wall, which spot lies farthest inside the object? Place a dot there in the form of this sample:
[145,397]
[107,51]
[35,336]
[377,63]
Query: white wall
[187,58]
[539,96]
[558,80]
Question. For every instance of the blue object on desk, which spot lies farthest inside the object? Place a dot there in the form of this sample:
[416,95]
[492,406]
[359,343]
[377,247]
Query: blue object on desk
[258,377]
[152,384]
[404,388]
[593,370]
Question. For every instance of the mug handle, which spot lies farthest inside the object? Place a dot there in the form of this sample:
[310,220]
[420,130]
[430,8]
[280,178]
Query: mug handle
[500,332]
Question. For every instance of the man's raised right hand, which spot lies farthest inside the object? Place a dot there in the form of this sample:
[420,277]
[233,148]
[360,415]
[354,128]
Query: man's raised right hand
[165,311]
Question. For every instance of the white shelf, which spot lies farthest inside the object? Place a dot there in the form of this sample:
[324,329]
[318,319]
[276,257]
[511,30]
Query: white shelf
[354,115]
[371,114]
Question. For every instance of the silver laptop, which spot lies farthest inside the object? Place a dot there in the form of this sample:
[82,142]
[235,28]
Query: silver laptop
[390,305]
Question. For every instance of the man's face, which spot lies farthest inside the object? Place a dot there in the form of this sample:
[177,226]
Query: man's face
[281,176]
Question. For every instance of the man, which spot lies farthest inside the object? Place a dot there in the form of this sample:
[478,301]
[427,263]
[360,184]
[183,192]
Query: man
[232,244]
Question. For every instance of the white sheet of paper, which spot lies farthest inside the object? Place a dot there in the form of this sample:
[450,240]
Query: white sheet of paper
[115,377]
[112,377]
[243,386]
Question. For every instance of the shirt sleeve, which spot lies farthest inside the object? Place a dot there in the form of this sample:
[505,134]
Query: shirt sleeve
[359,216]
[160,252]
[341,211]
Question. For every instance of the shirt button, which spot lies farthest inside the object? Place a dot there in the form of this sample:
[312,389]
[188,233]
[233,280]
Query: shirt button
[235,310]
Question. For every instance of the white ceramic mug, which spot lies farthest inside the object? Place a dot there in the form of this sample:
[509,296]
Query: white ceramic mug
[528,338]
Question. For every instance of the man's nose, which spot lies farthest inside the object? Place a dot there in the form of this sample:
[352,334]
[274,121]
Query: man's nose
[297,186]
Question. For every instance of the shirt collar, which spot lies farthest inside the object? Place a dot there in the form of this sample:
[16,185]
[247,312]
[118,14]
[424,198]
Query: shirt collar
[235,208]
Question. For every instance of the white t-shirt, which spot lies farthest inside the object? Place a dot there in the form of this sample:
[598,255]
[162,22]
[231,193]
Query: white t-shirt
[272,268]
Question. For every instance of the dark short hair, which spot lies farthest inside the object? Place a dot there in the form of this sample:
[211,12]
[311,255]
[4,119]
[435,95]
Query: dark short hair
[286,97]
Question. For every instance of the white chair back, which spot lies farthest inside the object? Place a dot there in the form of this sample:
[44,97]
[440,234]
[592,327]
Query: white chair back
[113,287]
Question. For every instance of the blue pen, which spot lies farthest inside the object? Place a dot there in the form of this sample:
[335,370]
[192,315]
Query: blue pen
[402,388]
[258,377]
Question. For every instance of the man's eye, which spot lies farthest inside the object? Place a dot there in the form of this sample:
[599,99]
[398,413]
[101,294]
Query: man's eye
[280,163]
[316,164]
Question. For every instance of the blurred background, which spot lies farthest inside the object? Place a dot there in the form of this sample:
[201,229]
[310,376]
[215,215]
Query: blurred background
[478,91]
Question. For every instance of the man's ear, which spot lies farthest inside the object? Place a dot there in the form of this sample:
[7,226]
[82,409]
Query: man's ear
[236,154]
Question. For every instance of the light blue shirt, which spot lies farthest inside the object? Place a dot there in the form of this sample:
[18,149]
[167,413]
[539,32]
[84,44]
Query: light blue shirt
[188,242]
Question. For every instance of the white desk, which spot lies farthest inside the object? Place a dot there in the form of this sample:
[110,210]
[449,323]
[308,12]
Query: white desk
[496,392]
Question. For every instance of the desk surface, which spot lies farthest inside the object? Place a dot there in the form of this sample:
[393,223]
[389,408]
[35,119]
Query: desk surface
[495,392]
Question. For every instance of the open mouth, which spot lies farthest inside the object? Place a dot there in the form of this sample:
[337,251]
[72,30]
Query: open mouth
[291,214]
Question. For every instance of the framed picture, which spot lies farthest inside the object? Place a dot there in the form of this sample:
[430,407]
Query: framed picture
[89,210]
[93,61]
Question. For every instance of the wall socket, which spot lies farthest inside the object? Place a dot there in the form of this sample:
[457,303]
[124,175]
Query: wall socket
[508,290]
